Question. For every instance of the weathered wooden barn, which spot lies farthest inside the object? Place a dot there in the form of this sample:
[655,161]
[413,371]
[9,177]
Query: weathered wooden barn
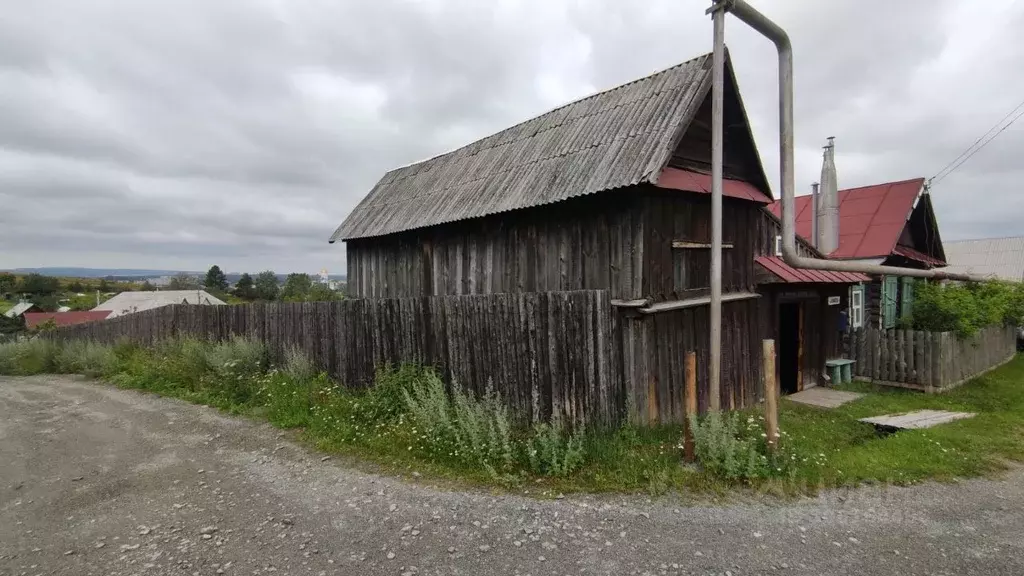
[611,192]
[892,224]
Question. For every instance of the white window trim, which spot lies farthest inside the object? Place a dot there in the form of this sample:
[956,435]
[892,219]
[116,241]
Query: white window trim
[856,306]
[778,245]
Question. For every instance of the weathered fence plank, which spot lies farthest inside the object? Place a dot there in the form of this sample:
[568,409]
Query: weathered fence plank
[930,361]
[550,355]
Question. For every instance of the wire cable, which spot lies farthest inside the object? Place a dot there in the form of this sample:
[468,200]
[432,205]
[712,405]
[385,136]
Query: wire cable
[978,144]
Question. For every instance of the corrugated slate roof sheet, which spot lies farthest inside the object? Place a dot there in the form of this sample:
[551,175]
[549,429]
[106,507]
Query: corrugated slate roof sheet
[33,319]
[18,309]
[787,273]
[1001,258]
[871,218]
[616,138]
[130,302]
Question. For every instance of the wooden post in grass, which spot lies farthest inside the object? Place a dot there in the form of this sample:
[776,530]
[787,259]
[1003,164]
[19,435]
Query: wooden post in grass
[690,399]
[771,395]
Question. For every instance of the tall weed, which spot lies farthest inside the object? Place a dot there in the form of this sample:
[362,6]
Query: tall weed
[234,365]
[460,427]
[35,356]
[733,445]
[297,365]
[84,357]
[552,452]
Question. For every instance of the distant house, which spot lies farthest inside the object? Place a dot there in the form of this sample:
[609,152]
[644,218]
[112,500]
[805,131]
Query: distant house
[20,309]
[35,319]
[611,192]
[892,224]
[996,258]
[131,302]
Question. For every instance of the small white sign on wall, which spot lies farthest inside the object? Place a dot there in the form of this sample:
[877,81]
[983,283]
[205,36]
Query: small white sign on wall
[833,300]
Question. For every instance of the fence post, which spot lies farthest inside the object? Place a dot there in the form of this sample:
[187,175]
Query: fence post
[690,399]
[771,394]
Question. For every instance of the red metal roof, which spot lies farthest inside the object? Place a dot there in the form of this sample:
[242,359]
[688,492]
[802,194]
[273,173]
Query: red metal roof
[33,319]
[679,179]
[908,252]
[787,273]
[871,218]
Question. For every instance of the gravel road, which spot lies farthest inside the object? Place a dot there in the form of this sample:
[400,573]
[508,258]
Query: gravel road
[95,480]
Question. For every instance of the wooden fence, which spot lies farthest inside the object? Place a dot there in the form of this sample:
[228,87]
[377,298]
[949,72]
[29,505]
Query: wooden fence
[547,353]
[929,361]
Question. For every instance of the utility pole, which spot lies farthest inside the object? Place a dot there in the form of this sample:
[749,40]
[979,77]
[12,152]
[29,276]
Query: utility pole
[715,312]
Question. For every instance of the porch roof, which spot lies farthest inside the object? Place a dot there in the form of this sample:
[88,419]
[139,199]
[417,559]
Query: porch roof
[786,273]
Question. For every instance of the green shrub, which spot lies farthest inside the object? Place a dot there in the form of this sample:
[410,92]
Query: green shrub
[551,452]
[83,357]
[9,358]
[733,445]
[35,356]
[966,308]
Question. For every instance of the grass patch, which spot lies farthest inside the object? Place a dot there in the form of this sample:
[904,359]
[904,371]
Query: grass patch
[410,421]
[855,453]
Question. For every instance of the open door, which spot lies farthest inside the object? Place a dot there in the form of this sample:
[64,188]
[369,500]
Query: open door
[790,347]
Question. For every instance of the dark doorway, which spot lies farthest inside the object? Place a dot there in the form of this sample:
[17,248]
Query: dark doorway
[789,347]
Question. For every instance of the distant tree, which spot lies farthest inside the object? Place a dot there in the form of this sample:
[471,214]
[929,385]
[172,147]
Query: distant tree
[103,286]
[216,279]
[8,282]
[322,293]
[296,287]
[244,288]
[147,286]
[48,302]
[183,281]
[266,285]
[76,286]
[38,284]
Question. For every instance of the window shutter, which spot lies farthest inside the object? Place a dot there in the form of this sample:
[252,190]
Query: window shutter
[889,286]
[907,303]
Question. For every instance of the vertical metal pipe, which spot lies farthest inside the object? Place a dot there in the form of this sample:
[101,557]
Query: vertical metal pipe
[778,36]
[717,117]
[815,214]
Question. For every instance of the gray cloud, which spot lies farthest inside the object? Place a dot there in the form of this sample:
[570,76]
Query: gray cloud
[182,134]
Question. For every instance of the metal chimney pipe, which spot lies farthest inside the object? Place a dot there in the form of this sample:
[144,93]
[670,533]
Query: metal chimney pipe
[815,214]
[778,36]
[828,212]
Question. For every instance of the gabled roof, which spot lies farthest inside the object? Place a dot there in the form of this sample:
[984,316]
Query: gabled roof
[34,319]
[871,218]
[19,309]
[1001,258]
[620,137]
[130,302]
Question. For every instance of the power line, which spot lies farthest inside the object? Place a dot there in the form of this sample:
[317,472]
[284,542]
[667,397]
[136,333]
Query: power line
[978,144]
[968,157]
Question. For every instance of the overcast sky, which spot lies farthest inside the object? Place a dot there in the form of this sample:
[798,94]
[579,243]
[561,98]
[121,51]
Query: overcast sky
[179,134]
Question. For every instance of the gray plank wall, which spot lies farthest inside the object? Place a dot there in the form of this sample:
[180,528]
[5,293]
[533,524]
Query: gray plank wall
[590,243]
[551,354]
[654,353]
